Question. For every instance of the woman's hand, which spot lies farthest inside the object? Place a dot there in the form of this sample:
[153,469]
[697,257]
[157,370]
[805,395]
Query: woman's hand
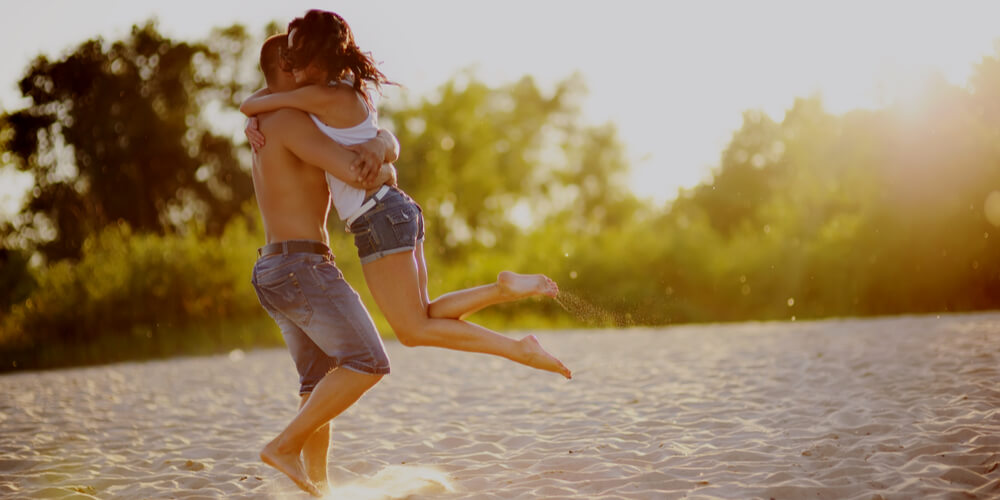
[253,134]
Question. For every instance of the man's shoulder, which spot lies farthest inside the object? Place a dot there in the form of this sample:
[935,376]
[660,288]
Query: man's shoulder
[281,119]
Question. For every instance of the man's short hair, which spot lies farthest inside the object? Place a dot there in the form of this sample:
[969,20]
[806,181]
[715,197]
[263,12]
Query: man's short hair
[270,56]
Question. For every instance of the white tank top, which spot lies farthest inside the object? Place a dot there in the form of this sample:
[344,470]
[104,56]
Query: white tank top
[347,199]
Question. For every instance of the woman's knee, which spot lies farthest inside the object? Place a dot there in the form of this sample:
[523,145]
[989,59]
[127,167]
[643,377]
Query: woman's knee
[412,333]
[409,338]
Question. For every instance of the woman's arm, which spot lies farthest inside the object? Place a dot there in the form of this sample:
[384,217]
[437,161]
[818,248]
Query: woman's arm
[262,92]
[309,99]
[252,131]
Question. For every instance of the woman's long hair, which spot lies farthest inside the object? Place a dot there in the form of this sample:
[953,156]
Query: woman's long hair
[324,38]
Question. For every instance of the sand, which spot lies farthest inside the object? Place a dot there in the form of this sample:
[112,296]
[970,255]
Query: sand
[896,408]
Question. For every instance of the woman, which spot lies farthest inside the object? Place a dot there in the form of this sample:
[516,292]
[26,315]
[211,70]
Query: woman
[388,227]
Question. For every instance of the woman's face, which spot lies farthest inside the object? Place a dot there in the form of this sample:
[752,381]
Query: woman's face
[306,74]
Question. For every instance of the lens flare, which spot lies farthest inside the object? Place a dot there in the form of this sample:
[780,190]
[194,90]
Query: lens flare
[992,208]
[395,481]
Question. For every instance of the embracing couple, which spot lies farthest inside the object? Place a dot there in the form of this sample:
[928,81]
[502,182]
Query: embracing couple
[315,135]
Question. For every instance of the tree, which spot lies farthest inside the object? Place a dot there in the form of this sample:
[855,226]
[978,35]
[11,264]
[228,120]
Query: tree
[16,280]
[117,133]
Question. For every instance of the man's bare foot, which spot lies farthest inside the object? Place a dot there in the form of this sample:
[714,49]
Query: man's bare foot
[517,286]
[290,465]
[319,478]
[536,357]
[323,487]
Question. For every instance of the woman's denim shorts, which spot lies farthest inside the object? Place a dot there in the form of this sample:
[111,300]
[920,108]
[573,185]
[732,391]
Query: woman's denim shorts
[395,224]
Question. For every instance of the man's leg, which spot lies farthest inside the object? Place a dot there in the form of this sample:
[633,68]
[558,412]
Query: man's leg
[316,452]
[341,331]
[337,391]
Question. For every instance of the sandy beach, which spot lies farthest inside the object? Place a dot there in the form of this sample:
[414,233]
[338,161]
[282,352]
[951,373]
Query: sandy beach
[896,408]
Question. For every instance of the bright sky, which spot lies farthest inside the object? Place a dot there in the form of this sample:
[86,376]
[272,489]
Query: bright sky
[674,76]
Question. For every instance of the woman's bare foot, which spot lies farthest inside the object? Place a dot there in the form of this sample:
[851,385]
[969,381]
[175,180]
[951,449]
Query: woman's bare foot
[290,465]
[536,357]
[517,286]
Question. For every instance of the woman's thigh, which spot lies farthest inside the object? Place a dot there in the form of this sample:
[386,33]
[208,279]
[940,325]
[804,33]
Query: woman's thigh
[418,255]
[394,282]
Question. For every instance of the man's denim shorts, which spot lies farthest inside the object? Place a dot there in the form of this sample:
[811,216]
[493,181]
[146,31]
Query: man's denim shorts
[321,317]
[395,224]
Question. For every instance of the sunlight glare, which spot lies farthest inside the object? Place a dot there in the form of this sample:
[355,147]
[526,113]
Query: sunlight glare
[395,481]
[992,208]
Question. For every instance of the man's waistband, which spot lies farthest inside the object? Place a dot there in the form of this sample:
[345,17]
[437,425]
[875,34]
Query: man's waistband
[293,246]
[368,204]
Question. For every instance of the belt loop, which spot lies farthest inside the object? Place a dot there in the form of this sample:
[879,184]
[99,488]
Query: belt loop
[284,248]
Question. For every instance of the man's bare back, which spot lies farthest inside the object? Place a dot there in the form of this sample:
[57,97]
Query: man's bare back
[293,197]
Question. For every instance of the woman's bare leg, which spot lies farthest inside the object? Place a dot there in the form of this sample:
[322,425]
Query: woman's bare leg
[394,281]
[418,256]
[510,286]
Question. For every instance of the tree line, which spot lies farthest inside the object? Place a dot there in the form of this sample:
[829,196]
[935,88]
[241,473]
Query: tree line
[140,230]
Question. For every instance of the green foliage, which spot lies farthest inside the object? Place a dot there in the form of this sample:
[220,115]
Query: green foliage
[115,132]
[16,279]
[132,289]
[474,152]
[872,212]
[814,215]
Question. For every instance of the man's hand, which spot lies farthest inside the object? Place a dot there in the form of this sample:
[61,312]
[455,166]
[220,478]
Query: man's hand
[253,134]
[297,133]
[383,148]
[369,160]
[386,175]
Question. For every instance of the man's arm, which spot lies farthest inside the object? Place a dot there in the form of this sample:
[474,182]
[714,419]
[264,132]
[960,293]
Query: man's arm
[384,148]
[391,145]
[295,131]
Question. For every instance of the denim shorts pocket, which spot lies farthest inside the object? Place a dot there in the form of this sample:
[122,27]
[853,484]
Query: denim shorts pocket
[364,242]
[326,273]
[276,268]
[284,294]
[404,224]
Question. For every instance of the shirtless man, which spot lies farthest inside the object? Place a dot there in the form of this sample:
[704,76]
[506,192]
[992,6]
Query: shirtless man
[332,339]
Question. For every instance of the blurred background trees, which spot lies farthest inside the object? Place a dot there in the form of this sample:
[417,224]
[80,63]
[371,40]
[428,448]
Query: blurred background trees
[119,133]
[142,227]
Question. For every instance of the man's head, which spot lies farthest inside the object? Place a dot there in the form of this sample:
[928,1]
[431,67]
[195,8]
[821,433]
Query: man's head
[278,80]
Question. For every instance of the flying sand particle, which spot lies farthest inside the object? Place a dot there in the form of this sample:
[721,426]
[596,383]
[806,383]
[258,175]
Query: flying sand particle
[593,315]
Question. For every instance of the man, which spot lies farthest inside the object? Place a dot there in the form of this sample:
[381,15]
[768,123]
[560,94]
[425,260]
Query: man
[330,335]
